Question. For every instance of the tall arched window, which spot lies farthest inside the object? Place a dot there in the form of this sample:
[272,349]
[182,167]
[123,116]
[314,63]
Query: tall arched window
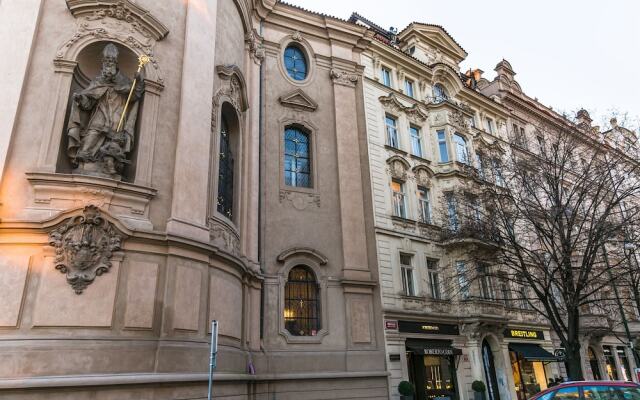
[225,171]
[297,157]
[462,153]
[302,303]
[439,94]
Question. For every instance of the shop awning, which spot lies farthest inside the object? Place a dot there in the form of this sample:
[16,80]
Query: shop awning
[433,348]
[532,352]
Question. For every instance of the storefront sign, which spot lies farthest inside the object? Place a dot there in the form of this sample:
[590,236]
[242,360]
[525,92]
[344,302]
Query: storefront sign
[523,334]
[391,325]
[440,352]
[428,328]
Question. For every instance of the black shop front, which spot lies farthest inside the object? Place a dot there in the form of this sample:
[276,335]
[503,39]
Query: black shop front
[432,360]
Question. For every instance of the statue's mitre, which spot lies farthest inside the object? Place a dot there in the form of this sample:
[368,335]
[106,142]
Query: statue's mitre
[110,51]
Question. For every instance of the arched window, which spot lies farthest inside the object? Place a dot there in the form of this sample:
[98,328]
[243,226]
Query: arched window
[225,171]
[295,62]
[462,153]
[297,158]
[439,94]
[302,303]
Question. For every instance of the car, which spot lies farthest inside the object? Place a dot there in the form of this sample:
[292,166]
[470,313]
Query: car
[591,390]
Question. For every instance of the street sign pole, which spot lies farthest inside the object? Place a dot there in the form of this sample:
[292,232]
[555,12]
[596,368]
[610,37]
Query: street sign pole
[213,355]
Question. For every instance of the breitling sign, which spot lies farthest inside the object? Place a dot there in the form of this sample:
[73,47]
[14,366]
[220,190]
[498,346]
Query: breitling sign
[523,334]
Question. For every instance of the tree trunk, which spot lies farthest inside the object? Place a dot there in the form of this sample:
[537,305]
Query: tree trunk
[574,361]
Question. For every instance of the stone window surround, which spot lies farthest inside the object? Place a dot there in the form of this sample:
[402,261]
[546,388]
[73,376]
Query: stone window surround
[296,39]
[405,118]
[301,120]
[317,262]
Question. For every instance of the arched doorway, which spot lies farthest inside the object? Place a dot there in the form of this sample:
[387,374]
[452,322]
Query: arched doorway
[593,363]
[490,371]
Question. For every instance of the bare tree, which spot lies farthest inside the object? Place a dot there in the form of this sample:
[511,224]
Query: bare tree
[560,214]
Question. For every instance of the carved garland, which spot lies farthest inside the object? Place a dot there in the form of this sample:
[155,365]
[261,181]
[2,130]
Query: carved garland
[392,104]
[84,246]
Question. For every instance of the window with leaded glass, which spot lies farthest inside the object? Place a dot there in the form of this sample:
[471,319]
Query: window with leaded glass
[442,147]
[399,199]
[416,141]
[295,63]
[425,204]
[392,131]
[225,171]
[406,269]
[297,158]
[302,302]
[434,279]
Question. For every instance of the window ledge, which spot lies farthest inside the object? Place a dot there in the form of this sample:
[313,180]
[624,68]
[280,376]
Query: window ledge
[403,220]
[395,149]
[421,159]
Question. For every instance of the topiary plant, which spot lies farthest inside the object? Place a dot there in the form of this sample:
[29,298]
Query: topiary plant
[478,386]
[406,388]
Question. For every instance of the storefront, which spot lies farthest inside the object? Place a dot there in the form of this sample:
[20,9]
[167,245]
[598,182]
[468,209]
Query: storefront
[528,361]
[432,362]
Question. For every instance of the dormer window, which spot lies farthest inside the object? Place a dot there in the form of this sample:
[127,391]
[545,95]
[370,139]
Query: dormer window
[439,94]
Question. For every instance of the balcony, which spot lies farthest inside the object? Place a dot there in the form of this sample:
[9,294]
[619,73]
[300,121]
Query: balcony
[596,324]
[471,232]
[482,309]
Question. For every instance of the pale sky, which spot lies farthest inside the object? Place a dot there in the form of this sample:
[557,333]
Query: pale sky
[567,53]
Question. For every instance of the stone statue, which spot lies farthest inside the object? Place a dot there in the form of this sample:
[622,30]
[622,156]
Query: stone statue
[100,140]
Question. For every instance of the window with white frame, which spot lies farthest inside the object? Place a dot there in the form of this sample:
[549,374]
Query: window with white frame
[408,87]
[462,153]
[480,165]
[452,211]
[442,146]
[497,171]
[386,76]
[425,204]
[434,279]
[488,122]
[392,131]
[406,269]
[399,199]
[463,280]
[487,290]
[416,141]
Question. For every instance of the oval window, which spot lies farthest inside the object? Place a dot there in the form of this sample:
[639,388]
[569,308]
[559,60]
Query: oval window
[295,62]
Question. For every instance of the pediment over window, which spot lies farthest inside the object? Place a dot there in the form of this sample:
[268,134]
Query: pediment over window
[483,143]
[298,99]
[123,10]
[435,37]
[236,88]
[423,175]
[391,103]
[303,251]
[398,167]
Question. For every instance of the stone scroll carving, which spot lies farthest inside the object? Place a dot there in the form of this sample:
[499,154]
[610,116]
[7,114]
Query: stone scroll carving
[344,78]
[84,245]
[102,120]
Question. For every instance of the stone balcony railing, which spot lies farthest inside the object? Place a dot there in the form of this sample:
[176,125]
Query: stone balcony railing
[477,232]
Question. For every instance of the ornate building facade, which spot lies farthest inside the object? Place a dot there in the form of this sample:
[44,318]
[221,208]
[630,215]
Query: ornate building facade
[165,164]
[435,135]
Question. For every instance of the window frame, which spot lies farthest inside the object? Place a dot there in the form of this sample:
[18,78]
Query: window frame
[464,146]
[309,54]
[388,128]
[407,274]
[439,93]
[415,133]
[435,285]
[409,88]
[441,138]
[401,197]
[305,59]
[386,76]
[422,200]
[310,155]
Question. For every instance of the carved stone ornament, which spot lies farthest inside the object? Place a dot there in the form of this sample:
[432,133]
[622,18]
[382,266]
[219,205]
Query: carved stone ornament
[224,236]
[299,100]
[397,169]
[423,178]
[233,90]
[343,77]
[297,36]
[415,114]
[391,103]
[298,200]
[457,119]
[256,49]
[84,245]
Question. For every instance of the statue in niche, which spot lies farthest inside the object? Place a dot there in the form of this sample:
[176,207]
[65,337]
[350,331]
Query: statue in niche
[103,118]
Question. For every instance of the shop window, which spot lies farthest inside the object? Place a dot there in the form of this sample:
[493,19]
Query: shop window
[302,302]
[297,158]
[490,371]
[529,376]
[610,363]
[593,363]
[442,147]
[425,204]
[406,270]
[399,199]
[225,171]
[624,364]
[416,141]
[392,131]
[295,63]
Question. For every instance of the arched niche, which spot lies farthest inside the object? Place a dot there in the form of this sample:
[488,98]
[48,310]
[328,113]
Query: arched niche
[135,31]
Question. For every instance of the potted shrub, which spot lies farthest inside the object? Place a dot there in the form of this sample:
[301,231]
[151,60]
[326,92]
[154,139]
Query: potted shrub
[406,390]
[478,388]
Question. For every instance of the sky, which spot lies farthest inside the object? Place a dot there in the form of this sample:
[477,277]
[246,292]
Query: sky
[570,54]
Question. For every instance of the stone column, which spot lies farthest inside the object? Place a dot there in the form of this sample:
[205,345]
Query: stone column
[18,27]
[355,263]
[191,173]
[147,135]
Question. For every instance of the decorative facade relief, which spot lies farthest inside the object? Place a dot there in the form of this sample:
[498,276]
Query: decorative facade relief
[413,113]
[343,77]
[458,120]
[256,49]
[398,168]
[84,246]
[297,36]
[224,236]
[299,200]
[232,90]
[298,100]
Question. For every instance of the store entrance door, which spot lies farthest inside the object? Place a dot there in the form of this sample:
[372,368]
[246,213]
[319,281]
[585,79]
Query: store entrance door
[432,368]
[490,371]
